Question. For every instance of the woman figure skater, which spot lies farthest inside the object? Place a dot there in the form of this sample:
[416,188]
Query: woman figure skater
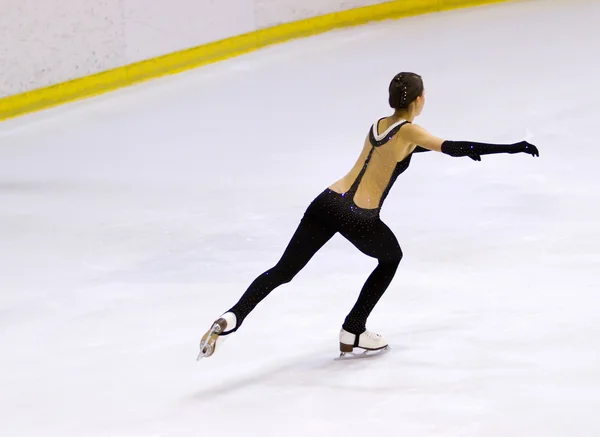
[351,207]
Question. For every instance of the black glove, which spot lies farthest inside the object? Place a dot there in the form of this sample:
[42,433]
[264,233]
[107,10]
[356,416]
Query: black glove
[475,150]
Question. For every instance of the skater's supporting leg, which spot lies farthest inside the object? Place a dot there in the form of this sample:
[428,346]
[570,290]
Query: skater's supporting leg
[310,236]
[378,241]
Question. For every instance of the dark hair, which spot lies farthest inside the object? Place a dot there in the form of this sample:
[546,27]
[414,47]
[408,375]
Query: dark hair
[404,89]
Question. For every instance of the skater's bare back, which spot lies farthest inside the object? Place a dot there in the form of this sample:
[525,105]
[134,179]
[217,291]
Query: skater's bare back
[383,161]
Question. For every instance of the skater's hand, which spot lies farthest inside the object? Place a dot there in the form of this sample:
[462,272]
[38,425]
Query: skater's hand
[525,147]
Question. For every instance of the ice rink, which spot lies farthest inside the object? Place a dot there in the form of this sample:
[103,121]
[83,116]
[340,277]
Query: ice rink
[130,221]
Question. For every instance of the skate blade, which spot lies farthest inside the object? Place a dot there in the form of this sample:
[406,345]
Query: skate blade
[207,344]
[360,355]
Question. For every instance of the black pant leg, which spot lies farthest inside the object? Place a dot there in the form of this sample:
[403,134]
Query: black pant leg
[309,237]
[375,239]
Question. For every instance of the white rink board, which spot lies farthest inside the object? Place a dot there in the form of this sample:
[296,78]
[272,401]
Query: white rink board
[47,42]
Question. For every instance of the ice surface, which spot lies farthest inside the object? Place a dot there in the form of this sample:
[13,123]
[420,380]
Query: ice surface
[130,221]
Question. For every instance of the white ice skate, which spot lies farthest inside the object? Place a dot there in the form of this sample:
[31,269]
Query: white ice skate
[213,336]
[370,344]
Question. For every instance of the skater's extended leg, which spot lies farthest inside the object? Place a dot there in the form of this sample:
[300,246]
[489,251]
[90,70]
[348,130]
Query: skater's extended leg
[310,236]
[374,239]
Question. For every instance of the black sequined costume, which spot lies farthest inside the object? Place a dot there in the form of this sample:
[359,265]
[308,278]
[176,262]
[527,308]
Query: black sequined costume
[328,214]
[332,212]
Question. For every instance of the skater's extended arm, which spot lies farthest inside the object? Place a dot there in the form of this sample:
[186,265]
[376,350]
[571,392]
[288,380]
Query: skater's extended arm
[417,135]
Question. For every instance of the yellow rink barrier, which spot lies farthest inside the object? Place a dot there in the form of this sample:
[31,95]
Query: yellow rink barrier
[172,63]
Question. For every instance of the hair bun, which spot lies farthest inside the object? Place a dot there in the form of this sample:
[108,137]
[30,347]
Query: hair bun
[404,89]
